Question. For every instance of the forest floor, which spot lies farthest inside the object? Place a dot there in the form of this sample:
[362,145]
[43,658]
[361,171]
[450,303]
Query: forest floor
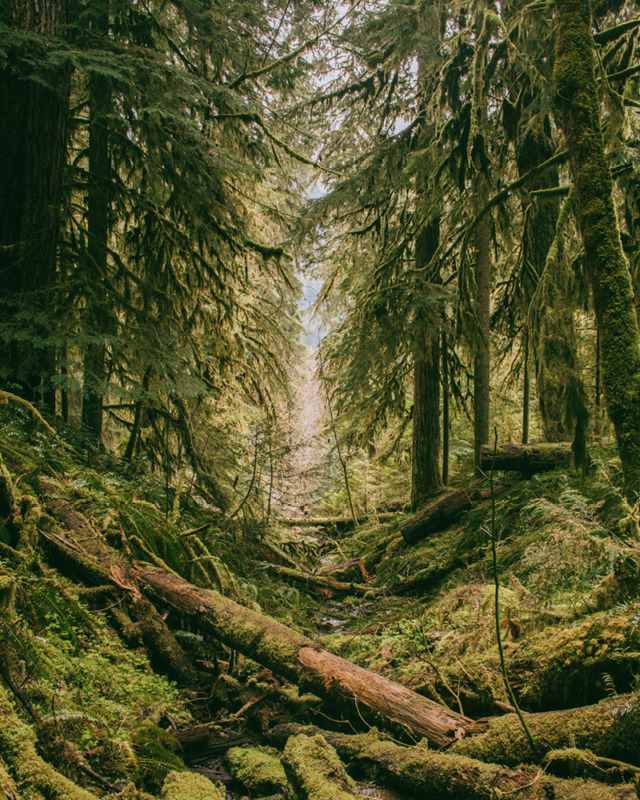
[125,673]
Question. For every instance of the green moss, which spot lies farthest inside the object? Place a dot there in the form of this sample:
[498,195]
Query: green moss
[315,771]
[190,786]
[7,596]
[611,729]
[260,772]
[28,769]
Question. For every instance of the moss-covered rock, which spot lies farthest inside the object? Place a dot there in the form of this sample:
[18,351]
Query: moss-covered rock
[190,786]
[260,772]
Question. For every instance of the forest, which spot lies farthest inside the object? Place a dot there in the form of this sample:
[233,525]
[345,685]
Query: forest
[319,399]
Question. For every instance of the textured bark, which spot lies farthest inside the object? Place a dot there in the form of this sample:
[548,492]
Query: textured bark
[482,360]
[425,463]
[613,297]
[445,410]
[526,392]
[98,315]
[34,110]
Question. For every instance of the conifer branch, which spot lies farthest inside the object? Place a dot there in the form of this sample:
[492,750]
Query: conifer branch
[290,56]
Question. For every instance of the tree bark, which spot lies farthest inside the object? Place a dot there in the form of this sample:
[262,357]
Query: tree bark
[445,409]
[425,463]
[98,313]
[361,694]
[34,109]
[482,360]
[358,691]
[613,297]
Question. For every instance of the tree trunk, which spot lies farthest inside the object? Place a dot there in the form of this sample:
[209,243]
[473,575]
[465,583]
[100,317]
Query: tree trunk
[137,418]
[34,110]
[98,313]
[610,729]
[356,690]
[315,771]
[445,410]
[425,464]
[361,694]
[526,399]
[482,360]
[608,269]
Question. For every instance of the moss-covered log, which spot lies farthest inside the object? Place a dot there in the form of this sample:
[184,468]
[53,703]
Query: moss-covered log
[315,771]
[24,767]
[359,692]
[527,459]
[323,583]
[444,513]
[421,772]
[190,786]
[613,296]
[610,729]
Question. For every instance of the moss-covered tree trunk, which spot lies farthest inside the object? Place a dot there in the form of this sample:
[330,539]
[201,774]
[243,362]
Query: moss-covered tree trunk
[558,376]
[482,242]
[613,297]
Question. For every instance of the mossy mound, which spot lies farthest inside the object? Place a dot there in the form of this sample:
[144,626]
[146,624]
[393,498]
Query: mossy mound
[260,772]
[315,771]
[190,786]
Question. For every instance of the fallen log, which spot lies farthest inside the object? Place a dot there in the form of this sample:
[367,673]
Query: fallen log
[29,770]
[421,772]
[359,692]
[323,582]
[526,458]
[339,524]
[444,513]
[611,729]
[315,771]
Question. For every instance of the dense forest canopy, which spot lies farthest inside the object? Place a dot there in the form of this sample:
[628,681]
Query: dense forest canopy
[156,225]
[285,287]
